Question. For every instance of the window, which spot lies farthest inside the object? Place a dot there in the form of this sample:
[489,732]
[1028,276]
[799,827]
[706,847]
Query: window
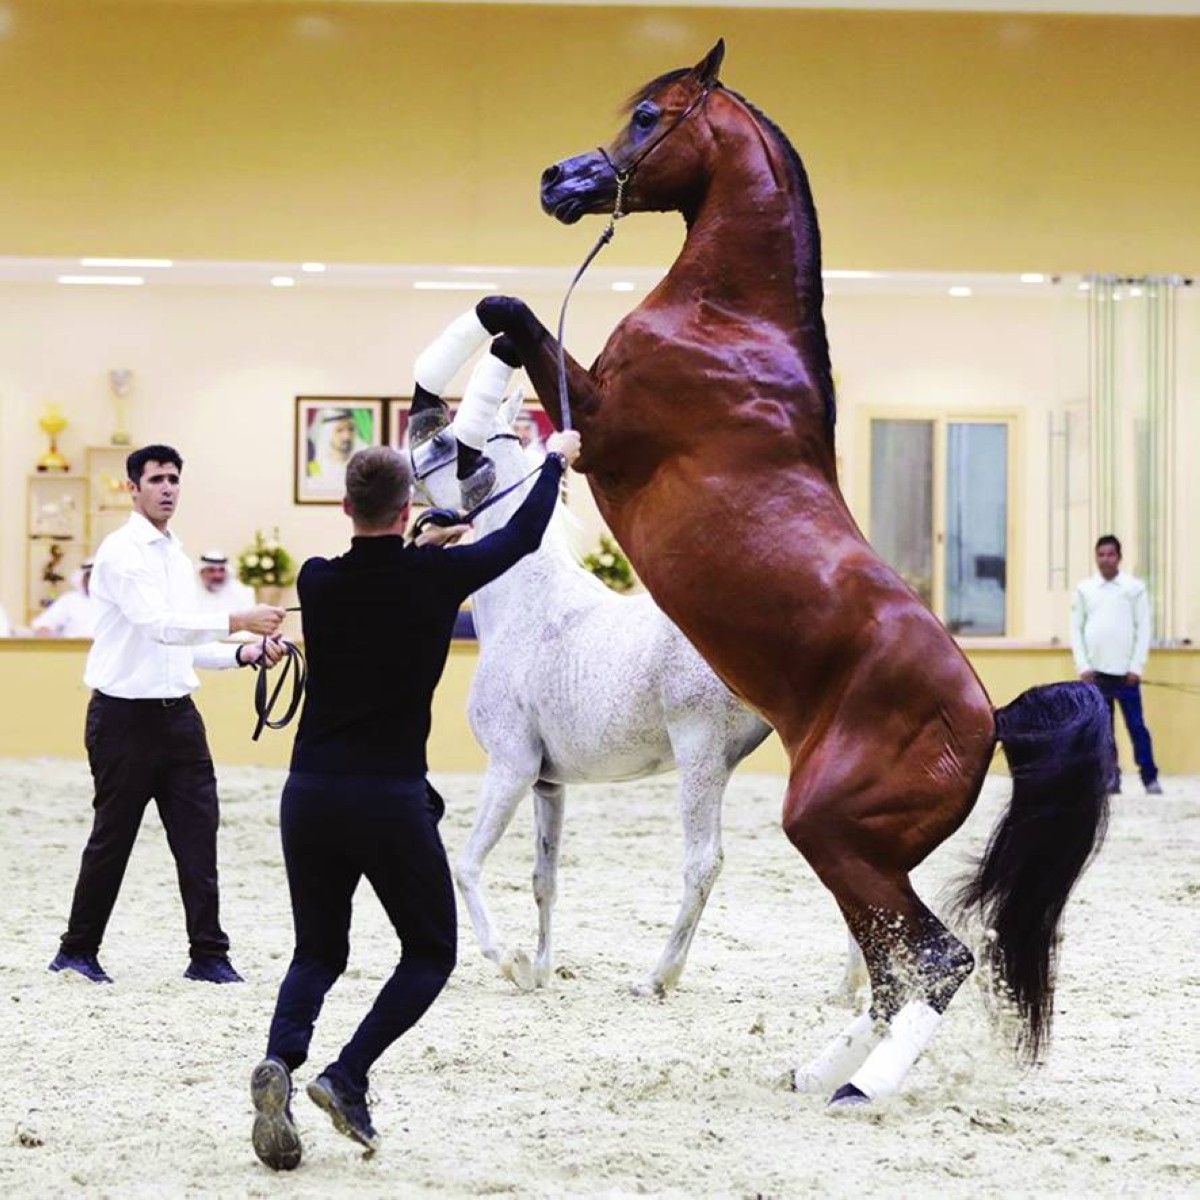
[939,514]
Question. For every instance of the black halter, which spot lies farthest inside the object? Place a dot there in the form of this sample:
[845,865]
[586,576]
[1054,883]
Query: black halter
[263,704]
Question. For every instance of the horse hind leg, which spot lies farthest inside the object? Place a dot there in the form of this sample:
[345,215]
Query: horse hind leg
[915,964]
[701,793]
[919,972]
[914,969]
[549,804]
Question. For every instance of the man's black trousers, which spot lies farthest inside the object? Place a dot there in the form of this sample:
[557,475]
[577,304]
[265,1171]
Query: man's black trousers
[141,750]
[336,829]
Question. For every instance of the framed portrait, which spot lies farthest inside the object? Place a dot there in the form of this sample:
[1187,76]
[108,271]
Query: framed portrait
[329,430]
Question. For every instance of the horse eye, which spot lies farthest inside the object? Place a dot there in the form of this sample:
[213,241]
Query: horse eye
[644,118]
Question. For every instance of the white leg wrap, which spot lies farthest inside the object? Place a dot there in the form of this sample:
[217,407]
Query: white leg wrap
[438,363]
[840,1059]
[911,1030]
[475,419]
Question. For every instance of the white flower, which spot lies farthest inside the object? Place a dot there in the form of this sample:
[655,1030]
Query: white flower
[607,560]
[272,545]
[268,562]
[252,560]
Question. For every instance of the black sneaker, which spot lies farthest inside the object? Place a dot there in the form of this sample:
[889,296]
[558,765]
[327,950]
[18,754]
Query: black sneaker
[87,965]
[275,1138]
[212,970]
[347,1108]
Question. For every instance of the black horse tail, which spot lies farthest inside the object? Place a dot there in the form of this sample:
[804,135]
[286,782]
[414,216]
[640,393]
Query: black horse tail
[1059,744]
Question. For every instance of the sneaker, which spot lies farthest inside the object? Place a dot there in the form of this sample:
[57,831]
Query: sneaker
[87,965]
[212,970]
[1154,788]
[275,1138]
[347,1108]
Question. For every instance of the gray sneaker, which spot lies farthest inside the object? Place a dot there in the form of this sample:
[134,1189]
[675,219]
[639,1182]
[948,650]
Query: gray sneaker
[1154,788]
[275,1137]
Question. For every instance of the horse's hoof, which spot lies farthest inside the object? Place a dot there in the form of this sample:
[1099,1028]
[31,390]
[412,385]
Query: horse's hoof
[520,970]
[848,1096]
[649,989]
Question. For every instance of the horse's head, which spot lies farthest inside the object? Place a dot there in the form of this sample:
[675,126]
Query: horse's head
[477,452]
[654,157]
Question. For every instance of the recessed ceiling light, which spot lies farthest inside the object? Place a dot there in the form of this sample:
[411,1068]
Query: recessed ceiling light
[103,280]
[152,264]
[622,285]
[313,268]
[455,285]
[960,290]
[1033,277]
[283,281]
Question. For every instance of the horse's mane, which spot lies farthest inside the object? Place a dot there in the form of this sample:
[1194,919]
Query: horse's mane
[809,212]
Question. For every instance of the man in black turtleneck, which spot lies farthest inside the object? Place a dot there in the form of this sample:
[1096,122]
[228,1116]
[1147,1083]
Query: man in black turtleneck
[377,628]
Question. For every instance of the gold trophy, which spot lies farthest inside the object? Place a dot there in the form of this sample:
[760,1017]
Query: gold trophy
[120,383]
[53,423]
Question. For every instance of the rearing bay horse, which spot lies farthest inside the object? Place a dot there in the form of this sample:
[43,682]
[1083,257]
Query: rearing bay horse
[707,427]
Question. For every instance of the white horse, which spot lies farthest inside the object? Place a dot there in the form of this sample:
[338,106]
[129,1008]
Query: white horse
[576,684]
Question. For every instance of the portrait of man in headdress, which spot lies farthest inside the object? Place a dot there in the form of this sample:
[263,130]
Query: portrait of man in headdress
[330,434]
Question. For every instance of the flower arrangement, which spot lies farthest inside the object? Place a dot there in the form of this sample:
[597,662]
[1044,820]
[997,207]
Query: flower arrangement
[266,563]
[610,565]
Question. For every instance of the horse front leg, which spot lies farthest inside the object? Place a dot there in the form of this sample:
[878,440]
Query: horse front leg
[503,788]
[537,348]
[549,804]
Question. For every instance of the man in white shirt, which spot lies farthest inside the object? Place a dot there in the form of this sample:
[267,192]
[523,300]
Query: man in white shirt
[144,737]
[73,614]
[219,591]
[1110,636]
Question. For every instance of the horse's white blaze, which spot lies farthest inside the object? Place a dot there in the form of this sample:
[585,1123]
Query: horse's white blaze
[840,1059]
[910,1031]
[439,362]
[577,684]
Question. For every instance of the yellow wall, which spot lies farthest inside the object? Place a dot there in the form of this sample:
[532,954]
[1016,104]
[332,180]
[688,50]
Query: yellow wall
[392,132]
[42,703]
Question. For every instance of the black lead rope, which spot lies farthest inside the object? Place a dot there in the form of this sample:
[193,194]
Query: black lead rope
[1186,688]
[264,705]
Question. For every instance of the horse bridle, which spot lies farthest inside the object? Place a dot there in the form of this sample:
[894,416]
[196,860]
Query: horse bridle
[445,517]
[623,175]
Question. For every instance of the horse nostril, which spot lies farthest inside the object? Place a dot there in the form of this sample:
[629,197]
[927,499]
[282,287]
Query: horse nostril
[551,175]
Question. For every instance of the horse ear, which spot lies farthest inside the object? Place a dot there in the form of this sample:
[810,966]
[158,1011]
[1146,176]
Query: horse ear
[512,406]
[706,71]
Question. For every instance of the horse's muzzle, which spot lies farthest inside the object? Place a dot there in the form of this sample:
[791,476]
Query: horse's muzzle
[577,186]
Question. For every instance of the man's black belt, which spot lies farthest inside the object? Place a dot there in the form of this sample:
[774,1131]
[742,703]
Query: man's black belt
[161,702]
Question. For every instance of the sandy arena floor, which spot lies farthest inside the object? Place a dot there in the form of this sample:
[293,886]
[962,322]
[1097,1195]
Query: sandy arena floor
[141,1088]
